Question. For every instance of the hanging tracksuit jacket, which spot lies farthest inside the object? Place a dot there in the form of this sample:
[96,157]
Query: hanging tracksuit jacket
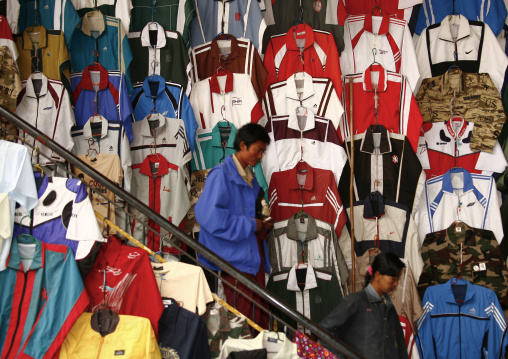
[451,329]
[40,305]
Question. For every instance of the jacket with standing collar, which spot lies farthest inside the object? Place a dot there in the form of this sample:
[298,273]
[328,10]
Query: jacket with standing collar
[226,212]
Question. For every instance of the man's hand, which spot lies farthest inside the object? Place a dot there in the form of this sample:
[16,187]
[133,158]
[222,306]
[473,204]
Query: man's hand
[266,224]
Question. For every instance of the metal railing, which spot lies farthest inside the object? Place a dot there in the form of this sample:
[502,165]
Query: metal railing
[324,337]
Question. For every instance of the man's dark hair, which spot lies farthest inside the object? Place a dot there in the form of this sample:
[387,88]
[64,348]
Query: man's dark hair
[251,133]
[386,263]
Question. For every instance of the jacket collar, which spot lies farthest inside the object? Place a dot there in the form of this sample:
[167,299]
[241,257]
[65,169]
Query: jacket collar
[163,169]
[451,131]
[216,139]
[145,35]
[448,293]
[447,187]
[373,206]
[86,22]
[445,33]
[214,47]
[161,85]
[310,279]
[43,37]
[87,127]
[311,229]
[303,31]
[173,124]
[383,27]
[14,260]
[29,87]
[308,86]
[367,145]
[86,78]
[467,234]
[374,297]
[367,78]
[233,171]
[214,82]
[303,168]
[310,123]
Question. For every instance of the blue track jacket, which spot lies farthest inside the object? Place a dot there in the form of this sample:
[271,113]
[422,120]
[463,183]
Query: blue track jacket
[225,211]
[455,329]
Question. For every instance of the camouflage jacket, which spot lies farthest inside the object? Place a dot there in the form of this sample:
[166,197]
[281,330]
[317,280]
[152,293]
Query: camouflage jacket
[10,86]
[477,250]
[477,100]
[221,325]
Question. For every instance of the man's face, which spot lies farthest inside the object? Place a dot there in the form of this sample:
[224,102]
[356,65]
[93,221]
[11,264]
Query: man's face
[251,155]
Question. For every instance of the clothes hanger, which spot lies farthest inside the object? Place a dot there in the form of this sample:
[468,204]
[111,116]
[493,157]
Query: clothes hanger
[375,8]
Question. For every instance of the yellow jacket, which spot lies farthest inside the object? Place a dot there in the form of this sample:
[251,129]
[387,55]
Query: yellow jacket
[129,337]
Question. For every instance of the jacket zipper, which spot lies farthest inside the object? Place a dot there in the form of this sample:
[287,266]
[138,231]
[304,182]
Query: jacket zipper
[19,314]
[460,336]
[100,347]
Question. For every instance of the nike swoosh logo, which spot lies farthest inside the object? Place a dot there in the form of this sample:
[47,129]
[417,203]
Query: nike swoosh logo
[468,52]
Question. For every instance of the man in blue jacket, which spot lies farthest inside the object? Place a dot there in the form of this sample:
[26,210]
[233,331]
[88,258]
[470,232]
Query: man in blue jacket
[226,213]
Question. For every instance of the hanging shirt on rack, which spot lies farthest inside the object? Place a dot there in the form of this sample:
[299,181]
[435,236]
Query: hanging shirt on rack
[383,224]
[310,138]
[156,95]
[387,101]
[306,289]
[162,186]
[109,166]
[491,12]
[303,48]
[164,136]
[321,15]
[185,283]
[115,8]
[53,15]
[389,166]
[5,219]
[275,343]
[173,15]
[459,195]
[305,239]
[230,53]
[472,96]
[316,94]
[45,51]
[444,145]
[476,46]
[10,86]
[45,105]
[64,215]
[122,279]
[240,18]
[161,52]
[100,38]
[42,297]
[471,253]
[225,96]
[213,146]
[97,91]
[17,180]
[311,189]
[182,333]
[6,38]
[381,39]
[122,335]
[474,314]
[109,138]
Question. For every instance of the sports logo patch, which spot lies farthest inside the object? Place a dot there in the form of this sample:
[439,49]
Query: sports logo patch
[395,159]
[318,5]
[236,101]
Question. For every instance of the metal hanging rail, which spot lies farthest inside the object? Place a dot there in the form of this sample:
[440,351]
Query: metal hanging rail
[325,338]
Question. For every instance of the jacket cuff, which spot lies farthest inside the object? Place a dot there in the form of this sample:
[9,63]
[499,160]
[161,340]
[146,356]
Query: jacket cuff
[254,224]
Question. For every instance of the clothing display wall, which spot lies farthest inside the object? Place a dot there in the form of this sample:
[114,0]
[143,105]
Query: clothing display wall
[379,142]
